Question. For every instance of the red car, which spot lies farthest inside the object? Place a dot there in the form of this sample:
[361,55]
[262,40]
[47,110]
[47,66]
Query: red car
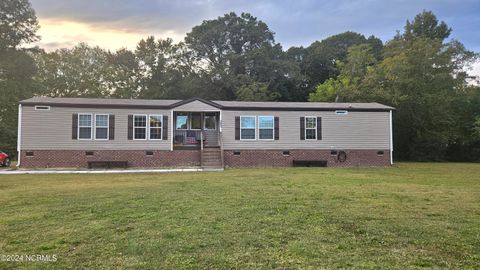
[4,160]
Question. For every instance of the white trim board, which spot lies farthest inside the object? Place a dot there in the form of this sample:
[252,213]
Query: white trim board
[19,135]
[107,171]
[391,138]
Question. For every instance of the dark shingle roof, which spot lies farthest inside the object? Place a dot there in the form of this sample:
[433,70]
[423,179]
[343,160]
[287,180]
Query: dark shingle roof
[99,101]
[237,105]
[300,105]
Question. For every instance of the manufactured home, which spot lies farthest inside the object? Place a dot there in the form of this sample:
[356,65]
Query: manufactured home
[86,132]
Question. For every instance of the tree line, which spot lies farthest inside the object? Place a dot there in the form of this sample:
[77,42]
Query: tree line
[235,57]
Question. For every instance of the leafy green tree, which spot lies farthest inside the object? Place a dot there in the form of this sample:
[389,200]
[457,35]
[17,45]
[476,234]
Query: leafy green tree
[222,42]
[168,70]
[270,65]
[223,49]
[256,92]
[18,25]
[346,86]
[78,72]
[319,61]
[426,25]
[327,91]
[123,80]
[466,144]
[423,77]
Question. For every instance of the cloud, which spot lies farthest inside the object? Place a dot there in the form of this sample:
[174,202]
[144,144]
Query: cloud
[475,71]
[57,34]
[143,15]
[294,22]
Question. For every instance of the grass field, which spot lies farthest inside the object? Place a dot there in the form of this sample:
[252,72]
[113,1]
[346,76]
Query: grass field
[409,216]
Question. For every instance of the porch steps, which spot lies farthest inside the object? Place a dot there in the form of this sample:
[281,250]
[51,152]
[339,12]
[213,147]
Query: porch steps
[212,158]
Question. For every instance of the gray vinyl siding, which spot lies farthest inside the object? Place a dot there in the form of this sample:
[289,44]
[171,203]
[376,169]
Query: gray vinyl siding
[196,106]
[52,130]
[357,130]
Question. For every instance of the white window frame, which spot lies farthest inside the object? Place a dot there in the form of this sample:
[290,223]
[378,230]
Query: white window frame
[273,127]
[255,128]
[91,127]
[161,127]
[107,127]
[146,127]
[316,135]
[189,122]
[204,122]
[42,108]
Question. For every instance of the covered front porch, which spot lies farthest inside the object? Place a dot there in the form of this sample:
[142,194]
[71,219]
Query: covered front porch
[196,130]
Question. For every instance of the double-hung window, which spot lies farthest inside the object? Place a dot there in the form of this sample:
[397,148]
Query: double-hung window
[139,127]
[265,127]
[248,127]
[84,126]
[155,127]
[101,126]
[310,128]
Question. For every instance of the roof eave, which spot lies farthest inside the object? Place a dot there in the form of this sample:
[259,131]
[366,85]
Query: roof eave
[237,108]
[85,105]
[208,102]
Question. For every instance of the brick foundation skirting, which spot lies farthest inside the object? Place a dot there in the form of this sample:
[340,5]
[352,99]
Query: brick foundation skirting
[182,158]
[276,158]
[135,158]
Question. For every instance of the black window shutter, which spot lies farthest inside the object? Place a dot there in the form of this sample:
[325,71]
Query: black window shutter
[130,127]
[111,127]
[74,126]
[319,128]
[237,128]
[165,128]
[277,128]
[302,128]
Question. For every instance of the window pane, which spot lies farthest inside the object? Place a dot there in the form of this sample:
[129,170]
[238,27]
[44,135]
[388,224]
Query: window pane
[248,134]
[85,133]
[181,122]
[140,133]
[140,121]
[101,133]
[85,120]
[196,121]
[311,122]
[247,122]
[155,133]
[101,120]
[265,122]
[310,134]
[210,122]
[265,134]
[155,121]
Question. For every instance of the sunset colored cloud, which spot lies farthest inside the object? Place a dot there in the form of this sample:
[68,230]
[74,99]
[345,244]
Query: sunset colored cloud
[114,24]
[57,34]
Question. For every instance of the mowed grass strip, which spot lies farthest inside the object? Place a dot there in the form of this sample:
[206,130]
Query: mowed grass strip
[414,215]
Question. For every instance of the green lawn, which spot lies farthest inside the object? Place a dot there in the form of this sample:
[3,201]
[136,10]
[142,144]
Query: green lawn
[409,216]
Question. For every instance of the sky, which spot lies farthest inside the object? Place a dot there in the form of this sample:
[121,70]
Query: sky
[113,24]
